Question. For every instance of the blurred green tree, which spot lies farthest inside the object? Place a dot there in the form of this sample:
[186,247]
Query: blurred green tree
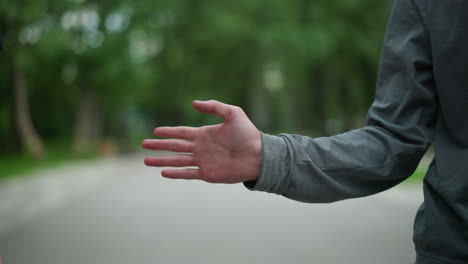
[87,70]
[19,22]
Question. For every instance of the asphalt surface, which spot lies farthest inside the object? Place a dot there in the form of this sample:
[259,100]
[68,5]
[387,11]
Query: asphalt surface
[116,210]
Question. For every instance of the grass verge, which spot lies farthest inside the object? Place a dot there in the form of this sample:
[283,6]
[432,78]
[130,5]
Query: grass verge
[21,164]
[417,177]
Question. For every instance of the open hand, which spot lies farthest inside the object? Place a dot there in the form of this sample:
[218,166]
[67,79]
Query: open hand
[230,152]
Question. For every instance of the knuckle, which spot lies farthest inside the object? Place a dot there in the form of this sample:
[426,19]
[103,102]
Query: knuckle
[238,109]
[188,146]
[230,112]
[196,133]
[234,111]
[214,109]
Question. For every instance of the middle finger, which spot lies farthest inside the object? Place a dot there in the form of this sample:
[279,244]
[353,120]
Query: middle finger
[176,145]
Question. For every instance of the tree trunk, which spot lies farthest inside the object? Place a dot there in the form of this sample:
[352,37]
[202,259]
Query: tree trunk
[87,123]
[28,136]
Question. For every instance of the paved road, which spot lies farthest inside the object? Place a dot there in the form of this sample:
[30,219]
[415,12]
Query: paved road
[118,211]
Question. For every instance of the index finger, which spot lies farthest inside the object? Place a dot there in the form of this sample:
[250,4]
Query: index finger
[176,132]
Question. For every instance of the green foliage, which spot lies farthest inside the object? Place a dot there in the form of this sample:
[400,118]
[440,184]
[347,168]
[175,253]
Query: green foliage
[298,65]
[21,164]
[417,177]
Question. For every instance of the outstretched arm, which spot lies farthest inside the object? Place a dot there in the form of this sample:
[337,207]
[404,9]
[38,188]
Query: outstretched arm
[400,128]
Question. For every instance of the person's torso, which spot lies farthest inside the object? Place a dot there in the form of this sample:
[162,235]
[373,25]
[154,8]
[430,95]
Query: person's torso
[441,227]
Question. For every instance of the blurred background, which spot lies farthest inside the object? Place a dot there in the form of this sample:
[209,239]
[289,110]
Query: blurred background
[85,76]
[84,80]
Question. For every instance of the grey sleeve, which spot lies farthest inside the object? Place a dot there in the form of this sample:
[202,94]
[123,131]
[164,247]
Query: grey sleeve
[365,161]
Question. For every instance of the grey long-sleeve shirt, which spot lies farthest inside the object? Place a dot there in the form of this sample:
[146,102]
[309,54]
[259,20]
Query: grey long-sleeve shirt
[421,97]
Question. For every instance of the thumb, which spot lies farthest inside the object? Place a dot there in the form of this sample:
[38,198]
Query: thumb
[213,107]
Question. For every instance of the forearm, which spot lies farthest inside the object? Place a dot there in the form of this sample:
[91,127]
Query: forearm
[353,164]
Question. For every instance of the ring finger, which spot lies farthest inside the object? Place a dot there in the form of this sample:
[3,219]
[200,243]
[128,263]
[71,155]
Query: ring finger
[171,161]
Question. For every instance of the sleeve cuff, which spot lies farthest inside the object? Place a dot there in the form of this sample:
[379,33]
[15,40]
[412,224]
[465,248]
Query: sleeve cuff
[275,171]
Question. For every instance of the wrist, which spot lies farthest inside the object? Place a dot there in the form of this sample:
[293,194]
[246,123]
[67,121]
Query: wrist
[255,157]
